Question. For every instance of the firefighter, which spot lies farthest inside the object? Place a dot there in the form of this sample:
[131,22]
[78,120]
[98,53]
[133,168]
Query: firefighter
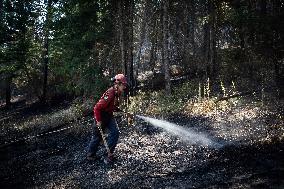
[104,119]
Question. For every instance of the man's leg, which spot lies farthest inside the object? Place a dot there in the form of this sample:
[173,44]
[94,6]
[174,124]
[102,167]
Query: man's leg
[113,134]
[95,141]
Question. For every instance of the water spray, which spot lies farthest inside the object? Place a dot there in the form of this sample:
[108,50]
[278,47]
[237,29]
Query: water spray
[185,134]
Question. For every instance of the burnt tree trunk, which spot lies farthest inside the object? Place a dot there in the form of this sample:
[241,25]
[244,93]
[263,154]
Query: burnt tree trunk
[206,47]
[46,51]
[121,33]
[126,16]
[166,46]
[153,56]
[212,38]
[8,81]
[189,47]
[192,13]
[279,76]
[276,51]
[142,34]
[130,47]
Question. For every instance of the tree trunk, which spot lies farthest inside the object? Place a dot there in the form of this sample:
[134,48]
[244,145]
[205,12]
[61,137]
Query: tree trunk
[192,25]
[1,12]
[154,45]
[212,61]
[8,81]
[186,35]
[45,69]
[46,51]
[121,34]
[279,77]
[142,35]
[166,46]
[277,55]
[126,16]
[189,47]
[130,74]
[206,47]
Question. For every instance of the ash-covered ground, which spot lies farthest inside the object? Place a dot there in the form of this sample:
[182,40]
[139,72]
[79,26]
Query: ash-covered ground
[147,157]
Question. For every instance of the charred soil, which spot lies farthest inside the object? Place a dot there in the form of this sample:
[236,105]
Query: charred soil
[147,157]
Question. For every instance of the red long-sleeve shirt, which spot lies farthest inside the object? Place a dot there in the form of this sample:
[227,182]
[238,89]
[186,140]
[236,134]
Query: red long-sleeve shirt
[108,103]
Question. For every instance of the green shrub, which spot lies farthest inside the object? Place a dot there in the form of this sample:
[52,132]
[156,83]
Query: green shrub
[157,103]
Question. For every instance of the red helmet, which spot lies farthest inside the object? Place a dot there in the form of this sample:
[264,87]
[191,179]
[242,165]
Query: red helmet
[120,78]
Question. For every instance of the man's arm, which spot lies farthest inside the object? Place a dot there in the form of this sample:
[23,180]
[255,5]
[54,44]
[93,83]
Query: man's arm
[102,105]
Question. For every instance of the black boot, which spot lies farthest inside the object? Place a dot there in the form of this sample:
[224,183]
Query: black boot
[92,157]
[109,160]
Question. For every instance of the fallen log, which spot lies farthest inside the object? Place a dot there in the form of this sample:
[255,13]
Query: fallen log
[235,95]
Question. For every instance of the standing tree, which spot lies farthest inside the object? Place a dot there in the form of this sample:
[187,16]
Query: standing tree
[14,44]
[126,16]
[129,64]
[212,40]
[46,48]
[166,61]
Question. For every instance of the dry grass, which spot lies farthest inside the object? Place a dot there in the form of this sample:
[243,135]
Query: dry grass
[41,122]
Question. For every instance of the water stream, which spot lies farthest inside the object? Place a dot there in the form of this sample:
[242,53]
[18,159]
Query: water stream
[185,134]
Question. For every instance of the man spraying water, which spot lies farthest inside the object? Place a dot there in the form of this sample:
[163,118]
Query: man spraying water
[104,119]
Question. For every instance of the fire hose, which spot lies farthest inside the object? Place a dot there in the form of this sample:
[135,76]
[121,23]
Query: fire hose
[129,121]
[104,140]
[30,137]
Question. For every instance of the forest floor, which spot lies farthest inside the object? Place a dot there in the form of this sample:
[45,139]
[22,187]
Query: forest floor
[147,157]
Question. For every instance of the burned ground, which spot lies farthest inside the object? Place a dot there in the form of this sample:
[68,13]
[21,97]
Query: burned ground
[251,156]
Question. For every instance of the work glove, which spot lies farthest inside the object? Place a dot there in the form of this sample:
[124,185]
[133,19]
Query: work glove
[130,118]
[130,115]
[99,124]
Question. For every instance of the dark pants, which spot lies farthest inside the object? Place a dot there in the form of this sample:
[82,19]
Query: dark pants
[113,134]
